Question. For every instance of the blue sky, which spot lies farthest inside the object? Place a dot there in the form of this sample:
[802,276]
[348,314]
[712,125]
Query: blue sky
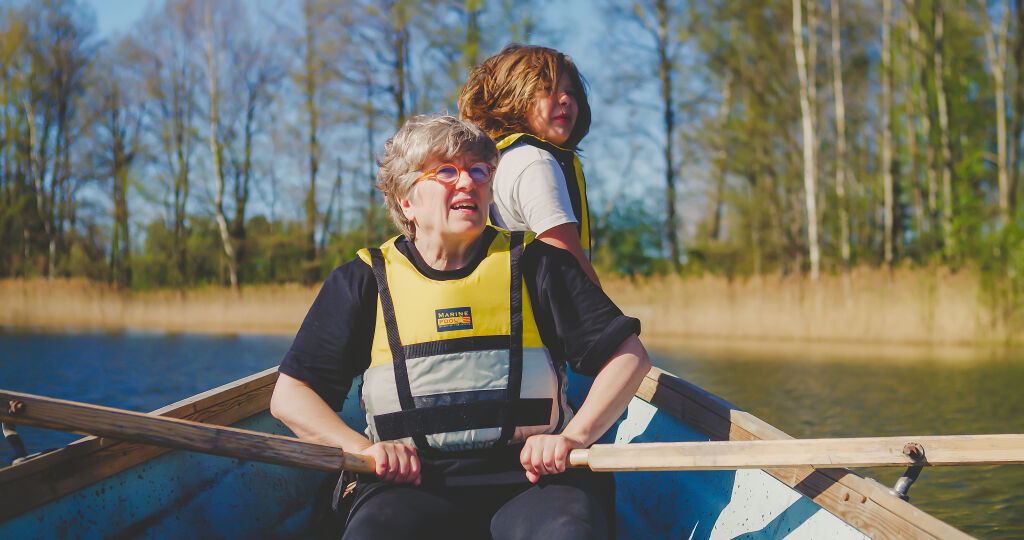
[117,15]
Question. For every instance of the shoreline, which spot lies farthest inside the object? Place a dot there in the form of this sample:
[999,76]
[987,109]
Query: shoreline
[913,309]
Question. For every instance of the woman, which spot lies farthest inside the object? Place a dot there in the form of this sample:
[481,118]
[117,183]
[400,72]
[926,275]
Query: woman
[533,101]
[462,333]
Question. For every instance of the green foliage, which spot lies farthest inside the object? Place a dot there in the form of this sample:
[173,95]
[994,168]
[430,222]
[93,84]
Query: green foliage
[627,241]
[1000,258]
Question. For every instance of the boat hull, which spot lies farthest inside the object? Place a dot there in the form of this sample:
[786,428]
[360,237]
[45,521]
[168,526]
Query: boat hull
[180,494]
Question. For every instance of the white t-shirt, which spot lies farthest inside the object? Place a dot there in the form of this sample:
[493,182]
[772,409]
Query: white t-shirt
[529,191]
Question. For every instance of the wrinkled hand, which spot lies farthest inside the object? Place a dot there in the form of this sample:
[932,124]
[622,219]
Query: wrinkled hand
[546,454]
[395,462]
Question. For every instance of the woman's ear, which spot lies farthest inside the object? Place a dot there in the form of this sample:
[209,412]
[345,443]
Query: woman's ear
[406,206]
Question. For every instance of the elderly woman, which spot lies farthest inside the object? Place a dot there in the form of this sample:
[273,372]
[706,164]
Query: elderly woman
[461,333]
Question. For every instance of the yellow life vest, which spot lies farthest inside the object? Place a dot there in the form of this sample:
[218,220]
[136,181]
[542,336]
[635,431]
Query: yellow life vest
[569,162]
[459,364]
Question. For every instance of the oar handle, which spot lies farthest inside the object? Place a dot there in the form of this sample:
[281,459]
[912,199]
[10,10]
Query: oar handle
[64,415]
[579,458]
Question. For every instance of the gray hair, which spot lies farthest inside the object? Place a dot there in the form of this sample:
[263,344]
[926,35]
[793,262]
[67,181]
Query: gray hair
[423,139]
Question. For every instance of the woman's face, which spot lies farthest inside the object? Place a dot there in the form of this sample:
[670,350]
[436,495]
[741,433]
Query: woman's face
[449,212]
[554,112]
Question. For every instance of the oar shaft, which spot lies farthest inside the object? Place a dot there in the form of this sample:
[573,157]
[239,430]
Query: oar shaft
[840,452]
[175,433]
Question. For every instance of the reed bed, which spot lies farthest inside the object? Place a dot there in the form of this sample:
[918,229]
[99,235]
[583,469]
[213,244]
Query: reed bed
[77,304]
[918,306]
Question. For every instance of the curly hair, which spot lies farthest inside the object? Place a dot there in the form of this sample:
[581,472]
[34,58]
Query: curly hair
[422,140]
[502,90]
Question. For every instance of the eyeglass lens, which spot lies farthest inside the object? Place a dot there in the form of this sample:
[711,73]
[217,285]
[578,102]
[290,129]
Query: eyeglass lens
[479,172]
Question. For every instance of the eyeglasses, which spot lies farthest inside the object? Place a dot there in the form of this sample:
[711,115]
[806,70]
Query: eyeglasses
[448,173]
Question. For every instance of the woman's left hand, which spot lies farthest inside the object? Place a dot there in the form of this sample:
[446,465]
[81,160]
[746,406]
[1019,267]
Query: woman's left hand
[546,454]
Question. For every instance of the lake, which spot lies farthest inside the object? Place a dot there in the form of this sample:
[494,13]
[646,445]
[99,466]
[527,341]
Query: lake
[806,390]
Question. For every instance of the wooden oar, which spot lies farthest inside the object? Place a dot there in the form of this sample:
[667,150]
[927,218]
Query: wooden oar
[832,453]
[30,410]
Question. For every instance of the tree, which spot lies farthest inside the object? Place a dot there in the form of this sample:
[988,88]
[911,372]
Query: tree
[120,110]
[840,116]
[809,141]
[886,118]
[663,36]
[235,59]
[995,46]
[172,78]
[945,145]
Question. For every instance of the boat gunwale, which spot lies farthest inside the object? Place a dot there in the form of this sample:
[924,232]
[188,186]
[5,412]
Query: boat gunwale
[861,502]
[50,476]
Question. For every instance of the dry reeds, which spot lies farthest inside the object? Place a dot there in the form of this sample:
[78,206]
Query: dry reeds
[78,304]
[927,306]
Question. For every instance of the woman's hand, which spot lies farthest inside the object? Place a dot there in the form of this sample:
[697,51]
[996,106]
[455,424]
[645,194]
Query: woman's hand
[396,462]
[546,454]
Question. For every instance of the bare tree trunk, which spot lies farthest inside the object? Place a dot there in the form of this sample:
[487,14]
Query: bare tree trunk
[949,248]
[925,116]
[310,86]
[721,156]
[329,213]
[885,113]
[217,150]
[996,49]
[1018,105]
[911,113]
[809,141]
[35,173]
[840,106]
[665,72]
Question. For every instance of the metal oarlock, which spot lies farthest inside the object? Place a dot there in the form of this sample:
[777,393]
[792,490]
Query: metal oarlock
[915,452]
[13,439]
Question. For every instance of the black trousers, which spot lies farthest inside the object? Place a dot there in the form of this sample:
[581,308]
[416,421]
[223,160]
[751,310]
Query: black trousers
[578,504]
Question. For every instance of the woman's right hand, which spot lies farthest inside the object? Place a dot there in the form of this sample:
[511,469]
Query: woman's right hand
[395,462]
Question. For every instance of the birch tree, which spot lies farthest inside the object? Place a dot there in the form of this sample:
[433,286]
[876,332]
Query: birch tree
[809,141]
[886,117]
[840,114]
[945,147]
[995,47]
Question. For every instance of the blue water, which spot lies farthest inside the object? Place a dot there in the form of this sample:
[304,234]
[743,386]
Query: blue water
[128,370]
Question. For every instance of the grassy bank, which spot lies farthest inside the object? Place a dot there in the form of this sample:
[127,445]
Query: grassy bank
[910,306]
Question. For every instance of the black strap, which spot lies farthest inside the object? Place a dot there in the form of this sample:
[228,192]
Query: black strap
[394,340]
[456,345]
[515,338]
[463,416]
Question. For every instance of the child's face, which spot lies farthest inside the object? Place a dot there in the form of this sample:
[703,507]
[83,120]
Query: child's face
[554,112]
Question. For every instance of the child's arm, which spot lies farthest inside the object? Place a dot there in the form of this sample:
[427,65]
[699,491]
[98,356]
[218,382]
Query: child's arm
[565,236]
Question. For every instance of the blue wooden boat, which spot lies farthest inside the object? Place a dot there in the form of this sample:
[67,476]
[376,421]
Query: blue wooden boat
[102,488]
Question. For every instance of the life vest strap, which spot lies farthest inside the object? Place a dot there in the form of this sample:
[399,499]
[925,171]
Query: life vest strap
[456,345]
[515,341]
[463,416]
[387,305]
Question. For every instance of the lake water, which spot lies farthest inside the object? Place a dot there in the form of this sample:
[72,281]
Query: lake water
[806,390]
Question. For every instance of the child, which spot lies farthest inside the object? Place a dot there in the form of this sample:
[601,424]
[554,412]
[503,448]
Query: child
[532,101]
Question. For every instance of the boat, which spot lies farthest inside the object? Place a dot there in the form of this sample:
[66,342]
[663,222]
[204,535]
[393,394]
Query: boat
[104,488]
